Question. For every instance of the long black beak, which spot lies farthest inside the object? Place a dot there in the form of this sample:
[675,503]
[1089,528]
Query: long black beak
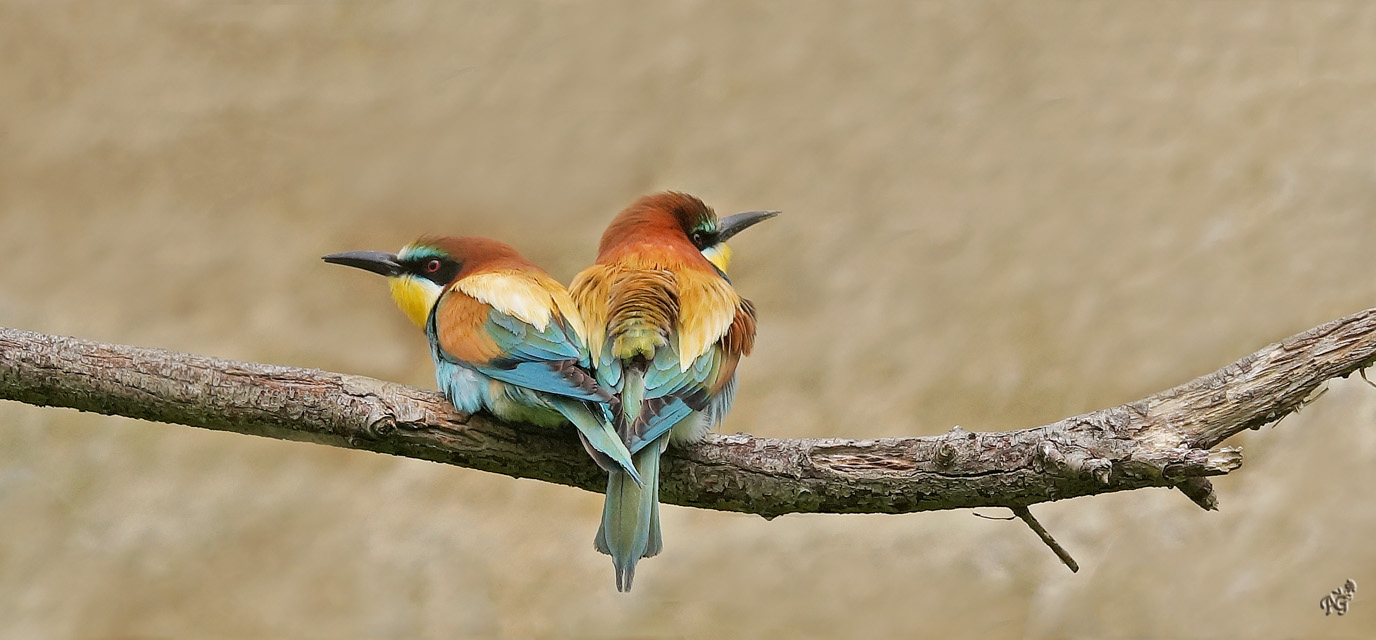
[738,222]
[375,261]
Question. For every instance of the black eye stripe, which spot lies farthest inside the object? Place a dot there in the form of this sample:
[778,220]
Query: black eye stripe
[442,273]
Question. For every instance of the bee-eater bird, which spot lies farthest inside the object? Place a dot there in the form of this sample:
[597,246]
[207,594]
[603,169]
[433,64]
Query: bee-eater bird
[666,330]
[504,335]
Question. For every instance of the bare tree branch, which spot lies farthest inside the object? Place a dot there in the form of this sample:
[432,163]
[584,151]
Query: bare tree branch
[1166,440]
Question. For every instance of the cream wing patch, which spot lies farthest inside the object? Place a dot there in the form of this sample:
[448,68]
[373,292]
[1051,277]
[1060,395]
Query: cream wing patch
[515,294]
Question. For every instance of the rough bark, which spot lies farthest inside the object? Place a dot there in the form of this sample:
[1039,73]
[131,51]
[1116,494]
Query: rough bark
[1166,440]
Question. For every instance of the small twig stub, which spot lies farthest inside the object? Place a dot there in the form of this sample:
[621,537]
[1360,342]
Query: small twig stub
[1026,515]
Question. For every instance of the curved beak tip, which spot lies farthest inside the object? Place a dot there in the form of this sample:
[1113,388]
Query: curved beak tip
[738,222]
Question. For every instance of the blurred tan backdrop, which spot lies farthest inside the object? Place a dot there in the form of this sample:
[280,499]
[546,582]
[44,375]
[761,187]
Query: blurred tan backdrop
[997,214]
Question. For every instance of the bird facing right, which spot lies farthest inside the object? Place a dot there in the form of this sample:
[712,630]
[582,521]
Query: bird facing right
[666,330]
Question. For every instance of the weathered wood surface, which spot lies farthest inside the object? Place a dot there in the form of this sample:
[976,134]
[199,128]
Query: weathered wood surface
[1168,439]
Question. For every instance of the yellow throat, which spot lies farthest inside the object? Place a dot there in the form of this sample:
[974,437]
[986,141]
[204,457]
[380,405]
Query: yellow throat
[415,296]
[718,254]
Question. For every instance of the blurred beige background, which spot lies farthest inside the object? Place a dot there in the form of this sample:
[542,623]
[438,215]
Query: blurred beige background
[997,214]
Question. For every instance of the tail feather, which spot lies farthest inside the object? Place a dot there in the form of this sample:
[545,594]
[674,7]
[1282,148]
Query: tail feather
[600,437]
[655,543]
[632,399]
[630,518]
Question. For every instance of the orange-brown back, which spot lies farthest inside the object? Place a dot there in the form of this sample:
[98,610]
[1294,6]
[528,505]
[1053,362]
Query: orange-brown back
[650,282]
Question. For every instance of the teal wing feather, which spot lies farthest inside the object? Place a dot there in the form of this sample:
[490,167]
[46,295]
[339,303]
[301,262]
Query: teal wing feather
[672,394]
[552,361]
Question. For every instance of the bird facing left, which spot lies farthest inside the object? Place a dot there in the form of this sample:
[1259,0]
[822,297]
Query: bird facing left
[504,335]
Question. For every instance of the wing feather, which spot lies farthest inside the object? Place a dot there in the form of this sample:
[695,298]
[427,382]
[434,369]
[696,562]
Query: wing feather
[498,336]
[591,296]
[457,322]
[518,294]
[709,306]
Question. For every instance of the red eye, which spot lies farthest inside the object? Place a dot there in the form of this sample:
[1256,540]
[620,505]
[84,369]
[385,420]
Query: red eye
[432,266]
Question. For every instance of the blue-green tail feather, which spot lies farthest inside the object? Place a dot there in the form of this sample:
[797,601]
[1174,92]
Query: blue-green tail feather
[630,517]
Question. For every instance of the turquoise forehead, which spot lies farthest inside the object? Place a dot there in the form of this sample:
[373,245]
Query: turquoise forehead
[705,223]
[420,252]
